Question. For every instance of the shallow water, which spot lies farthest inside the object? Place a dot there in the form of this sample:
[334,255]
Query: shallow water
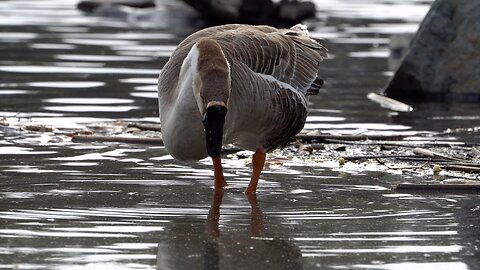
[69,205]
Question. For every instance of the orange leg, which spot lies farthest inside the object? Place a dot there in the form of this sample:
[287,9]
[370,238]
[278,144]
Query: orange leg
[218,173]
[258,161]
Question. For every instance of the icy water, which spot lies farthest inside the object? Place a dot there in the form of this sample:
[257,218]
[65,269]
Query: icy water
[67,205]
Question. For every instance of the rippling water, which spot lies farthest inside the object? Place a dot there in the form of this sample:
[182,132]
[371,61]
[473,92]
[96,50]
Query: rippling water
[66,205]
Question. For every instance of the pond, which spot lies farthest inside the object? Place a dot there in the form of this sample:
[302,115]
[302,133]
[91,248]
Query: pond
[67,205]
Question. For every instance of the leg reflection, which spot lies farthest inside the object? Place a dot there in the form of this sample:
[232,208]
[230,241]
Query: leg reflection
[214,214]
[256,220]
[211,256]
[189,243]
[246,250]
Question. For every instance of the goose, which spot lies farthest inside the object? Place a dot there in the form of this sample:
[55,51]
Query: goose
[237,84]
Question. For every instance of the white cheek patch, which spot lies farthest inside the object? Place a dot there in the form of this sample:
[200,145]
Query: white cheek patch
[189,73]
[229,80]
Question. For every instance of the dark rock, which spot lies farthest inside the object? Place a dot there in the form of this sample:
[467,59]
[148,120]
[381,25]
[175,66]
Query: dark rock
[443,62]
[170,14]
[90,5]
[217,12]
[283,13]
[294,12]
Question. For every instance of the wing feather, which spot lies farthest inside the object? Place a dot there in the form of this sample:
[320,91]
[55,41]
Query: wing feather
[288,55]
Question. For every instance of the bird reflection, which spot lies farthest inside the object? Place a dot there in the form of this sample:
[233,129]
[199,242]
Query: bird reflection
[190,247]
[212,254]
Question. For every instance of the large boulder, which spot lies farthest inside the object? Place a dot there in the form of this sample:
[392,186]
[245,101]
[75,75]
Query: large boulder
[443,62]
[172,14]
[277,13]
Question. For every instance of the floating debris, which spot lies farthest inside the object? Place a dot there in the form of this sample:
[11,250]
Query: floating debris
[398,154]
[467,186]
[38,127]
[4,122]
[341,161]
[119,139]
[308,148]
[389,103]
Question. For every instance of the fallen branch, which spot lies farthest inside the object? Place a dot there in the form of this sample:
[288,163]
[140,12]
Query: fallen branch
[419,159]
[447,165]
[136,140]
[389,103]
[399,143]
[468,164]
[440,187]
[350,158]
[326,137]
[145,126]
[430,157]
[403,167]
[432,154]
[468,169]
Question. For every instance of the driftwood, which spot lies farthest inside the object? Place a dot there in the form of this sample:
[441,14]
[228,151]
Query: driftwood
[135,140]
[360,157]
[145,126]
[403,143]
[463,163]
[438,187]
[403,167]
[432,154]
[419,159]
[463,168]
[389,103]
[356,138]
[374,139]
[90,5]
[276,13]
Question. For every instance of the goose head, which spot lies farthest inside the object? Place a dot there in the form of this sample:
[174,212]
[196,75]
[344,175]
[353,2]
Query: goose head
[211,88]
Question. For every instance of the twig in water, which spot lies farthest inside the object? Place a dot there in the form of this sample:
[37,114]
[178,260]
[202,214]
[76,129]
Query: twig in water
[402,167]
[468,169]
[145,126]
[83,138]
[440,187]
[431,154]
[326,137]
[389,103]
[400,143]
[468,164]
[376,156]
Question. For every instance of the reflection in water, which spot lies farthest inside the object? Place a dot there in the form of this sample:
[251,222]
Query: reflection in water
[214,247]
[70,84]
[90,108]
[75,70]
[90,101]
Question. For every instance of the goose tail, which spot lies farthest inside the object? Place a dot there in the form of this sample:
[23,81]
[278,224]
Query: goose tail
[301,30]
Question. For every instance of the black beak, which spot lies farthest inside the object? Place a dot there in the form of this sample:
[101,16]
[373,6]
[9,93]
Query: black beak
[213,120]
